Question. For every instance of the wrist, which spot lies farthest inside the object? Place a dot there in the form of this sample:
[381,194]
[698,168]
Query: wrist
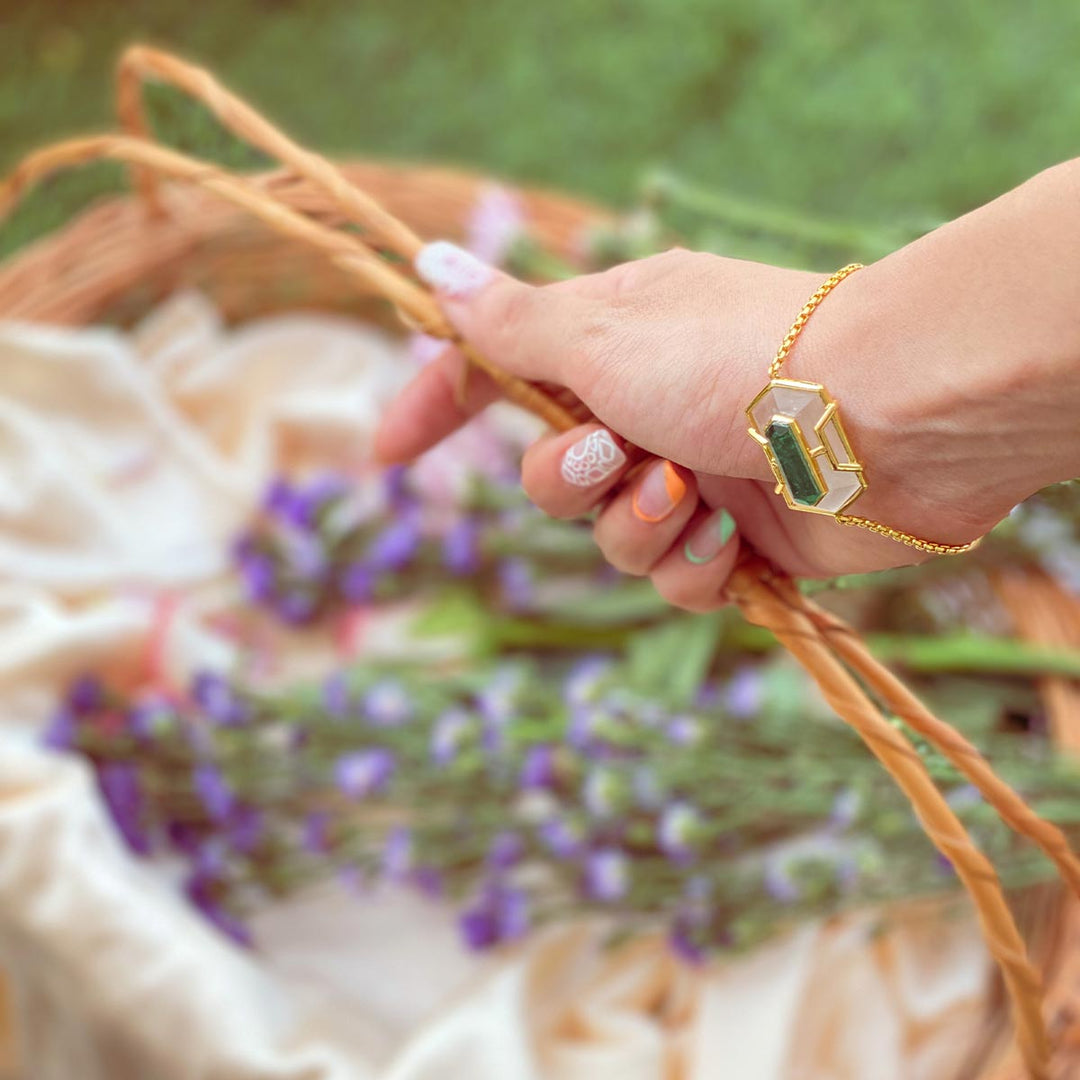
[982,314]
[957,376]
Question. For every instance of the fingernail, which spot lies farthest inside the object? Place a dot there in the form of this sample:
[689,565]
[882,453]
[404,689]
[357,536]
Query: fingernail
[709,539]
[658,493]
[592,459]
[452,270]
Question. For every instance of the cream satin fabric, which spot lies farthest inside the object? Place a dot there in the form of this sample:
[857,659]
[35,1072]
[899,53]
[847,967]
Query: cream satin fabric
[126,463]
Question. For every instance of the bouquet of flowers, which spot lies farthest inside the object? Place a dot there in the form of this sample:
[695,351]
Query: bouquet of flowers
[583,751]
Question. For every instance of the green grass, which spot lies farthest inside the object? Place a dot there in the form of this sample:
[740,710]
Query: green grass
[910,109]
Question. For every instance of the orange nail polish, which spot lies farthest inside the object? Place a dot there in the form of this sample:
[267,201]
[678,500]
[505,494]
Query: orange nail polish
[660,491]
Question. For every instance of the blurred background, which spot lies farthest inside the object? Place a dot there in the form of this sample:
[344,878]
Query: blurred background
[805,133]
[878,112]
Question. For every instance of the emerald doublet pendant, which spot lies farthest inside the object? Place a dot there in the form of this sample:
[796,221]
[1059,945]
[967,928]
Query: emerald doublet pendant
[798,426]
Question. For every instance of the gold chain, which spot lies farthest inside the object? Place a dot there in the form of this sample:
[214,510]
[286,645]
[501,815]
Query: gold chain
[931,547]
[803,317]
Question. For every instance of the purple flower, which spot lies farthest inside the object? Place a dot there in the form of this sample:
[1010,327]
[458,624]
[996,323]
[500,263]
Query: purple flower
[278,499]
[479,927]
[320,492]
[297,607]
[516,583]
[201,893]
[606,875]
[120,787]
[315,839]
[500,913]
[563,839]
[584,680]
[513,907]
[603,793]
[685,730]
[588,729]
[677,831]
[364,772]
[429,881]
[259,575]
[743,693]
[61,731]
[497,703]
[450,733]
[208,861]
[219,701]
[86,695]
[538,769]
[651,714]
[646,787]
[152,718]
[396,546]
[506,850]
[336,698]
[398,854]
[247,826]
[183,837]
[687,939]
[213,791]
[387,704]
[847,872]
[845,809]
[299,506]
[461,548]
[689,931]
[964,797]
[708,695]
[396,487]
[230,925]
[779,883]
[306,557]
[357,582]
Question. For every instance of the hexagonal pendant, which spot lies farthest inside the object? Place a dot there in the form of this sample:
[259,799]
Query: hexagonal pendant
[798,426]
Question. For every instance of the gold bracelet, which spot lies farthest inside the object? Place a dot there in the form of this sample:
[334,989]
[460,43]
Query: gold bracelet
[798,426]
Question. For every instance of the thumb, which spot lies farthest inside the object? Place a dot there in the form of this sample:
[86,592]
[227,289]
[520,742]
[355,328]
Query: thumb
[533,332]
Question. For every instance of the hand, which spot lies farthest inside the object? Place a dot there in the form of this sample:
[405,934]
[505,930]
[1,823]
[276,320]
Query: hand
[668,351]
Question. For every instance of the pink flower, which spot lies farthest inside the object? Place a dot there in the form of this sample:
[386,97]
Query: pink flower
[496,221]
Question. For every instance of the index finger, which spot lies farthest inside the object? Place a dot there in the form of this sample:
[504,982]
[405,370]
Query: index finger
[445,394]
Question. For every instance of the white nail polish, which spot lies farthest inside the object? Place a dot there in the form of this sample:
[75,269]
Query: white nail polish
[592,459]
[451,269]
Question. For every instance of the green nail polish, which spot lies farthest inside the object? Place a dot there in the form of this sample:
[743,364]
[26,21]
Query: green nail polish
[725,526]
[710,539]
[691,557]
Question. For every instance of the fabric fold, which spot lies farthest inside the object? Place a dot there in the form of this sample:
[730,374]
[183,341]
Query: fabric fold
[127,462]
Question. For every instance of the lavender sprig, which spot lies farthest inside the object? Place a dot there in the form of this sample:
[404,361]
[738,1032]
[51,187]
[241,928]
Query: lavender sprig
[393,774]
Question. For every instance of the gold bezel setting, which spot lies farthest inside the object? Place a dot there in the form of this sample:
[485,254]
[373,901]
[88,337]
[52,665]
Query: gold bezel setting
[835,468]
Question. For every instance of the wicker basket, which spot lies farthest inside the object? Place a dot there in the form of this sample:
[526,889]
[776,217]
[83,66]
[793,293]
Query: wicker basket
[278,241]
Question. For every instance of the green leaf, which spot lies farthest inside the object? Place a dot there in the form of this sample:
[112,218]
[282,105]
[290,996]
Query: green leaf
[458,613]
[673,659]
[629,602]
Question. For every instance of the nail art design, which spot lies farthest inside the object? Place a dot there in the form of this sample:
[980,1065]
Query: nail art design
[709,539]
[592,459]
[451,269]
[658,494]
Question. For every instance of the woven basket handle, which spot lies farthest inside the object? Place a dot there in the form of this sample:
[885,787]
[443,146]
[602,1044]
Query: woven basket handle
[140,64]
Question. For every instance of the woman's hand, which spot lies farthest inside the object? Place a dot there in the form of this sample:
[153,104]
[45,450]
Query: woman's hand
[946,412]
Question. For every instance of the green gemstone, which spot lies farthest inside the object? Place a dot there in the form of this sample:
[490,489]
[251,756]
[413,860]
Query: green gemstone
[800,476]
